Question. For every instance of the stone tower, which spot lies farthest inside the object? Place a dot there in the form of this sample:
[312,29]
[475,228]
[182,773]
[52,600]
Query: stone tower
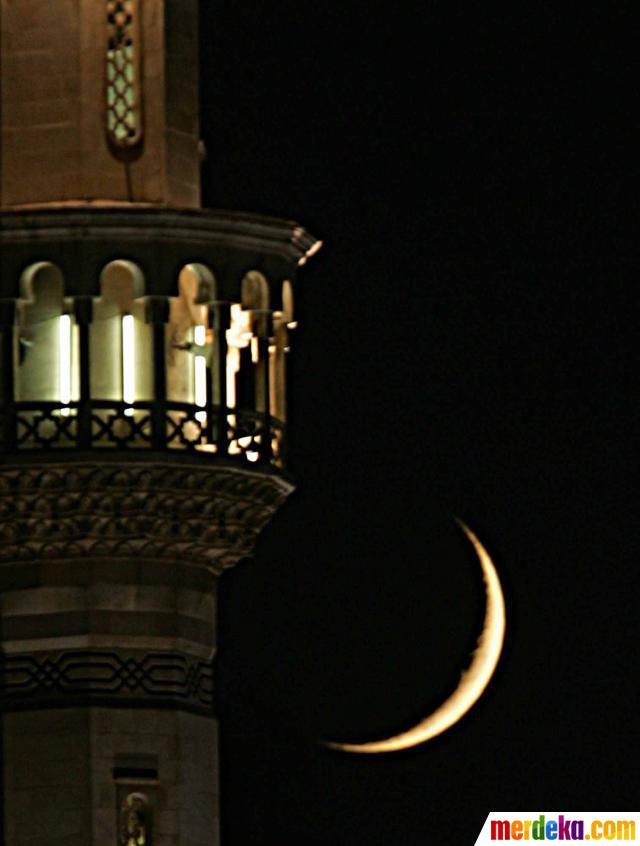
[143,345]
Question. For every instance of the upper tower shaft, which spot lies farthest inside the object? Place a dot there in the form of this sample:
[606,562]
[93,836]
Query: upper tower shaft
[142,422]
[99,102]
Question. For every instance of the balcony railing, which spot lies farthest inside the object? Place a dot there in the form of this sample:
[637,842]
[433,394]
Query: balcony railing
[104,424]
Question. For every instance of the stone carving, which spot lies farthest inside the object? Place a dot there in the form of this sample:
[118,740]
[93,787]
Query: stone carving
[209,516]
[38,681]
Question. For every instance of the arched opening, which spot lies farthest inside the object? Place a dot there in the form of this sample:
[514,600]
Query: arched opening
[255,292]
[247,366]
[120,339]
[188,360]
[135,821]
[188,337]
[245,389]
[47,352]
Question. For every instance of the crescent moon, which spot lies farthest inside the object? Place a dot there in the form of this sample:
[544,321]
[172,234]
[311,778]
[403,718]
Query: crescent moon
[473,680]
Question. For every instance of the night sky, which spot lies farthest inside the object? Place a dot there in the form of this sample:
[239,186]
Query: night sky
[467,346]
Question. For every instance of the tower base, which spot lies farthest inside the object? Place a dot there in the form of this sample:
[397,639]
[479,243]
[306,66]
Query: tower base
[108,574]
[105,776]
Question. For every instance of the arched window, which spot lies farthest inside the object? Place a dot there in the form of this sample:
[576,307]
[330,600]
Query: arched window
[187,340]
[124,122]
[135,821]
[47,343]
[120,337]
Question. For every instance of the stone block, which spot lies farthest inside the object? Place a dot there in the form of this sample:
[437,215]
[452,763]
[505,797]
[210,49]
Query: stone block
[167,823]
[52,88]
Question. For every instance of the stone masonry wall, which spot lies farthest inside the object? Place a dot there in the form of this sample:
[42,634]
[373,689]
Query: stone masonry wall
[65,774]
[52,105]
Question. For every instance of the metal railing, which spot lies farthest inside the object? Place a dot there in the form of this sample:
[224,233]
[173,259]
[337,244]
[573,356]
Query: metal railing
[215,430]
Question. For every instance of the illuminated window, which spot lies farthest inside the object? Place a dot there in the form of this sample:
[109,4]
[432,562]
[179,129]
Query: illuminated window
[124,127]
[135,821]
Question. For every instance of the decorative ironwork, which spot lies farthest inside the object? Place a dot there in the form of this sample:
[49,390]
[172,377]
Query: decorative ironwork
[185,430]
[39,680]
[121,427]
[123,77]
[226,432]
[43,428]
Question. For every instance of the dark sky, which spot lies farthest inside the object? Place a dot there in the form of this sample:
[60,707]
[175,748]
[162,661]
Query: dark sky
[467,345]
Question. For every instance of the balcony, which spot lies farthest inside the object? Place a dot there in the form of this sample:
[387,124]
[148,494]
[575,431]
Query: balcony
[140,328]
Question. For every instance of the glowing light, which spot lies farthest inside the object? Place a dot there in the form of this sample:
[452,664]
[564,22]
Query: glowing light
[64,361]
[128,363]
[200,373]
[239,333]
[473,680]
[206,447]
[239,336]
[252,456]
[313,249]
[292,324]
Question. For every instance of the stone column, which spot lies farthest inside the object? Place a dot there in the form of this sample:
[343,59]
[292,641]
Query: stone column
[108,573]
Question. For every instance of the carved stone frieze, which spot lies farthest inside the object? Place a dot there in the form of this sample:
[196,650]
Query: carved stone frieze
[206,515]
[111,676]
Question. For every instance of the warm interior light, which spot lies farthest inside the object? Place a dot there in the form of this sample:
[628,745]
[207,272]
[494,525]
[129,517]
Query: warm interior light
[239,333]
[128,363]
[239,336]
[64,361]
[207,447]
[200,373]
